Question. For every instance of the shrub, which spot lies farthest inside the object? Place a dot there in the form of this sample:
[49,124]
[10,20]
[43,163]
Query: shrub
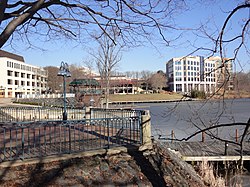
[198,94]
[207,172]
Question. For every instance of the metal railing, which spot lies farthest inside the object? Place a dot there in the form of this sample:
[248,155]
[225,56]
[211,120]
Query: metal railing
[120,113]
[22,140]
[15,114]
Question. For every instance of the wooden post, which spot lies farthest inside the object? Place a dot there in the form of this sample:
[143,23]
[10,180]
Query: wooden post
[172,136]
[236,135]
[226,146]
[203,136]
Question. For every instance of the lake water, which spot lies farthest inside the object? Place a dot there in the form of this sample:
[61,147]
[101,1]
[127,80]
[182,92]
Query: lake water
[185,118]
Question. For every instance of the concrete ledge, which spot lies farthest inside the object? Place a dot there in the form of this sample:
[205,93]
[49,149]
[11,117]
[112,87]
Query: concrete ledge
[147,146]
[214,158]
[47,159]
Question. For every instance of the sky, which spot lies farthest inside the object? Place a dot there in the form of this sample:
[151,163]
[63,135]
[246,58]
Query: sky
[146,57]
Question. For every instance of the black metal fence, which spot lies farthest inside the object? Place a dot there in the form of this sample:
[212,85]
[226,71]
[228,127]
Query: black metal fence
[16,114]
[22,140]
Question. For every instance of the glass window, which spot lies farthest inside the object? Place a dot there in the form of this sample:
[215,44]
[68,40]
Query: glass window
[178,87]
[9,73]
[9,81]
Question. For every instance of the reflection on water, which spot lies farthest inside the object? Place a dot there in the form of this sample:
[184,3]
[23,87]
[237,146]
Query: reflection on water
[187,117]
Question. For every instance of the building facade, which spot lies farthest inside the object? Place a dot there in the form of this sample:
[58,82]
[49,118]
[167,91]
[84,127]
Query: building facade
[189,73]
[19,78]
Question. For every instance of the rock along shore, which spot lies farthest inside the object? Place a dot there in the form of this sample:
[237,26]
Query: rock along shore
[153,166]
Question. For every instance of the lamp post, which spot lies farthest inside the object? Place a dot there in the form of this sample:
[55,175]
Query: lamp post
[64,72]
[91,101]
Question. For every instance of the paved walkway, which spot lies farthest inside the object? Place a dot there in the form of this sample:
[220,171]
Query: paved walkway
[5,101]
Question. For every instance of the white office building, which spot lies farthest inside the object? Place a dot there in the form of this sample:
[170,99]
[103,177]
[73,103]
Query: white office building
[19,78]
[189,73]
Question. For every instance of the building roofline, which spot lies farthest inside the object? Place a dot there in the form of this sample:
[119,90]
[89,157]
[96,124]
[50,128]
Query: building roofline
[11,56]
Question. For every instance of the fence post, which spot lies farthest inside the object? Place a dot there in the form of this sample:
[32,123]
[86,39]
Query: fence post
[69,138]
[226,148]
[172,136]
[108,134]
[88,113]
[146,128]
[202,136]
[4,142]
[39,114]
[22,143]
[236,135]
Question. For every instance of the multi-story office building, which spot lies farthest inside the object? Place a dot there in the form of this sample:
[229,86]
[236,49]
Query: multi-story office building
[189,73]
[19,78]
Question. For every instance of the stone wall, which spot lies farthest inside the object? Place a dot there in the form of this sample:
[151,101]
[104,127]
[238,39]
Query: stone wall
[153,166]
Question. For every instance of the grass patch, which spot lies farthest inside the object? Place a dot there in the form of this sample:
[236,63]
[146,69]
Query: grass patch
[145,97]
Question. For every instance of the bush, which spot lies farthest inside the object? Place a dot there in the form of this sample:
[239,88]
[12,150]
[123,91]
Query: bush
[207,172]
[198,94]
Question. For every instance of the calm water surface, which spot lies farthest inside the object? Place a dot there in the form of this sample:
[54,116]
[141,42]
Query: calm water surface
[184,118]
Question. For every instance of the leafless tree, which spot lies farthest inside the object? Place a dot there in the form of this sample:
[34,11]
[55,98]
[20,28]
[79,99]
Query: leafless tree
[50,20]
[242,82]
[224,43]
[54,81]
[145,74]
[107,58]
[77,72]
[158,81]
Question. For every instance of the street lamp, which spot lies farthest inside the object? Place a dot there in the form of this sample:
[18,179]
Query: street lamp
[91,101]
[64,72]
